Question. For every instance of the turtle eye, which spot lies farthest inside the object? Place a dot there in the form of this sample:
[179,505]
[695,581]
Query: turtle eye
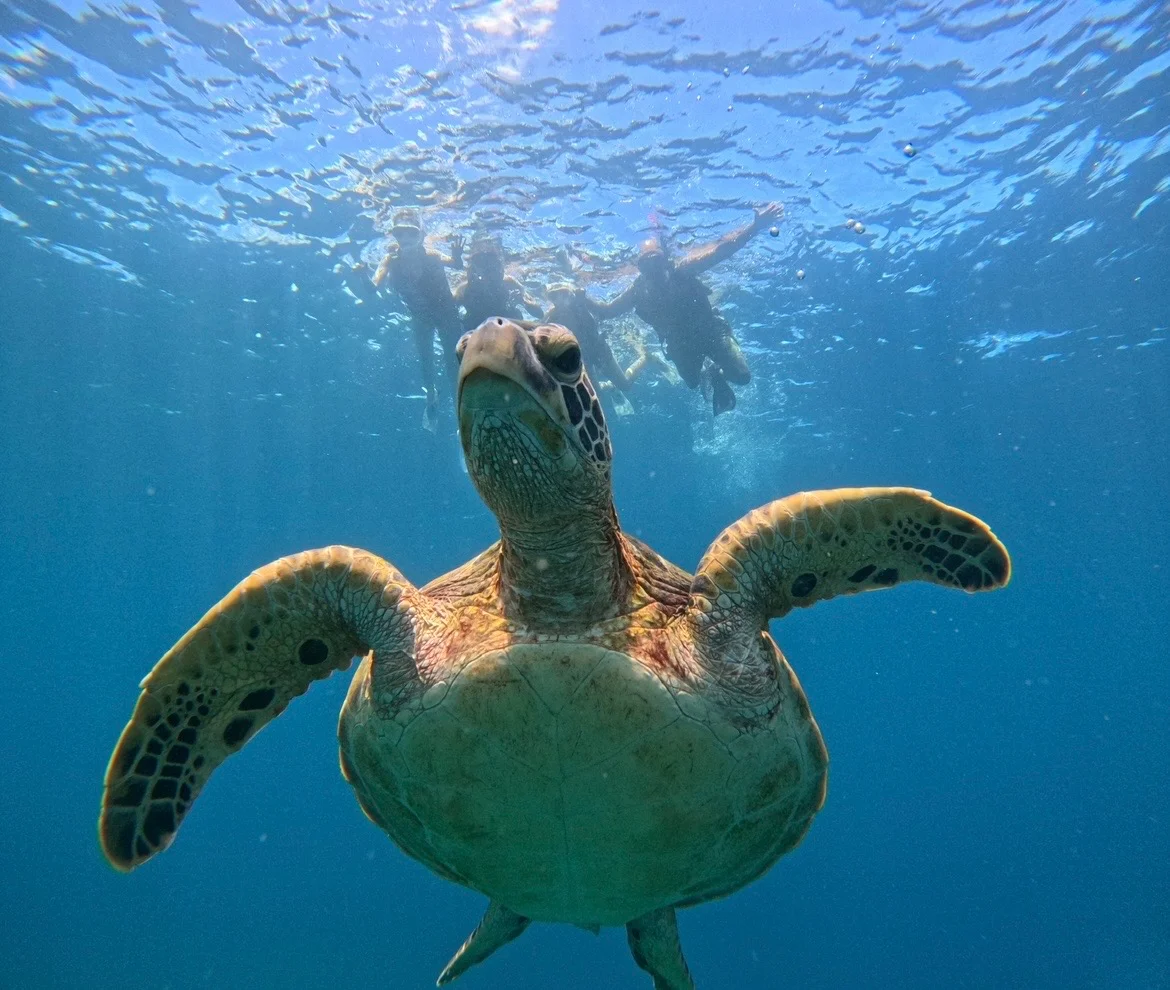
[461,346]
[568,362]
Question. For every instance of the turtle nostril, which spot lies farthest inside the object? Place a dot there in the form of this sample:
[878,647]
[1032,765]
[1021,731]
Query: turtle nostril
[499,322]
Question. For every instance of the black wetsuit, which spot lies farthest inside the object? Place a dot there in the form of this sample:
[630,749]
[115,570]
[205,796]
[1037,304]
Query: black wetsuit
[680,311]
[482,299]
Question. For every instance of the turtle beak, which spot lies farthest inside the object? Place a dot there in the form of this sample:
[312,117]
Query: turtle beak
[500,349]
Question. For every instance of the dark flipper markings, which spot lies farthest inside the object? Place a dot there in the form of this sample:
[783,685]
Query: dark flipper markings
[816,545]
[290,623]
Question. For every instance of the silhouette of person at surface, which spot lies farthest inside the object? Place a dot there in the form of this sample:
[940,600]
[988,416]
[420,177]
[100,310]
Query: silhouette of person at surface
[417,276]
[485,291]
[669,296]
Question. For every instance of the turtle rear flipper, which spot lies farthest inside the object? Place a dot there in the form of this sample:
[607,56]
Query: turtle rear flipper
[654,942]
[290,623]
[811,546]
[499,926]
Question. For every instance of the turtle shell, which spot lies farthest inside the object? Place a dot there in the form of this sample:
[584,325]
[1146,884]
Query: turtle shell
[579,784]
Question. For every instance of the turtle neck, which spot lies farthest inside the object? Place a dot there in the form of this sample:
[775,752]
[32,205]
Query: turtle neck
[567,571]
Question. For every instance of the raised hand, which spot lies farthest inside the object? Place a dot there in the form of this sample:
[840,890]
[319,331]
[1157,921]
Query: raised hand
[767,214]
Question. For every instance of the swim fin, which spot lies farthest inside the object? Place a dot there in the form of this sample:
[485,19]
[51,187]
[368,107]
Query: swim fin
[722,397]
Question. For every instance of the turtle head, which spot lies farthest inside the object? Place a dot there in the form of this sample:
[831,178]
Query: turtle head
[532,429]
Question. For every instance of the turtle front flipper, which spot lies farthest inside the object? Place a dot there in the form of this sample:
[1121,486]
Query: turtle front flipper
[290,623]
[654,942]
[499,926]
[815,545]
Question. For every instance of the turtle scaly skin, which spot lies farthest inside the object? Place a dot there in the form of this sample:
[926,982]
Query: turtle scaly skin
[568,723]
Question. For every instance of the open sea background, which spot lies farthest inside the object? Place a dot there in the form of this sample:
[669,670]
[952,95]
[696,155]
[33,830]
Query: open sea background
[196,378]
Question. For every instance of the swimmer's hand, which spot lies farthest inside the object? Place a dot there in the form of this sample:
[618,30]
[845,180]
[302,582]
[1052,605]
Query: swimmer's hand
[765,215]
[457,250]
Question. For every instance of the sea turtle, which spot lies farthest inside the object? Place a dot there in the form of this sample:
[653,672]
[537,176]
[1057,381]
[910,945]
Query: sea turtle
[568,723]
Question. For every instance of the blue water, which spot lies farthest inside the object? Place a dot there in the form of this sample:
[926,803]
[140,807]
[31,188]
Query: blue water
[196,378]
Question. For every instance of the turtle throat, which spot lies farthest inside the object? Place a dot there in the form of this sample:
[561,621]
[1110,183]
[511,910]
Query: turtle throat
[561,573]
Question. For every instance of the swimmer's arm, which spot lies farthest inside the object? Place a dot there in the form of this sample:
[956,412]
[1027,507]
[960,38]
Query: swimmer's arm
[709,255]
[383,269]
[623,302]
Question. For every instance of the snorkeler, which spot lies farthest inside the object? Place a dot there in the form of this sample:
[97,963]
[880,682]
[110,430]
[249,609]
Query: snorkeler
[486,291]
[417,275]
[572,308]
[670,297]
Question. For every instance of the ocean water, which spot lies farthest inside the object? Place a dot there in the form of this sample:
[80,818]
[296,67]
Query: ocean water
[196,377]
